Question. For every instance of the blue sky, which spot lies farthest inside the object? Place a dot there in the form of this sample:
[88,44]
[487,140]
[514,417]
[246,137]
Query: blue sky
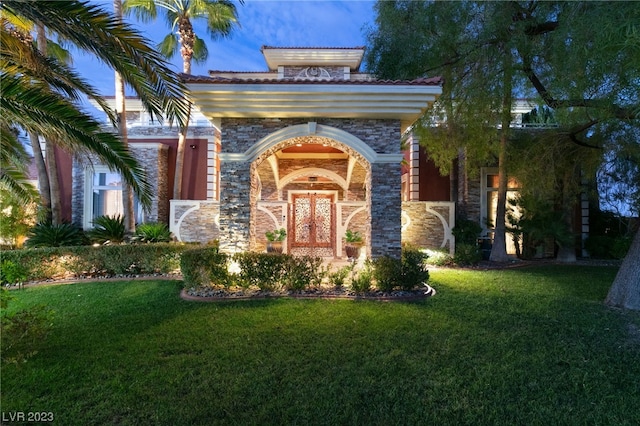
[292,23]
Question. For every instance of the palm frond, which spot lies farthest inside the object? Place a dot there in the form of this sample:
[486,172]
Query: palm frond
[118,45]
[200,51]
[54,117]
[169,45]
[13,166]
[18,58]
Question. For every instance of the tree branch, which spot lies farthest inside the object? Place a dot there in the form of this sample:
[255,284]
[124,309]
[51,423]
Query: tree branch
[617,111]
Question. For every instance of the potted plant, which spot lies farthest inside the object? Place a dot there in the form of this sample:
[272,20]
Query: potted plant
[353,240]
[275,239]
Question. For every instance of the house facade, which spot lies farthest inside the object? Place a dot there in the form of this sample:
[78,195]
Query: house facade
[311,145]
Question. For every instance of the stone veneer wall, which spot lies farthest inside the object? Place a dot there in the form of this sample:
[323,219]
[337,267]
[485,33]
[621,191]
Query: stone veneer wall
[239,135]
[153,157]
[422,228]
[198,225]
[385,210]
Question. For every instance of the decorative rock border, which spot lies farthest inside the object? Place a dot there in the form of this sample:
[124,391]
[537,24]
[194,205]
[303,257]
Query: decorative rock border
[400,296]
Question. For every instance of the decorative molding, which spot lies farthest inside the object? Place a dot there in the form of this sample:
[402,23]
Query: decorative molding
[313,73]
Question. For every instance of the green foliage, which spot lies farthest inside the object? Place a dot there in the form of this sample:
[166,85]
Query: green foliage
[60,235]
[107,230]
[351,236]
[466,231]
[276,235]
[608,247]
[405,273]
[361,280]
[204,267]
[263,270]
[16,218]
[22,331]
[439,258]
[610,235]
[302,272]
[414,268]
[152,232]
[491,53]
[338,277]
[467,254]
[537,223]
[387,271]
[12,272]
[53,113]
[86,261]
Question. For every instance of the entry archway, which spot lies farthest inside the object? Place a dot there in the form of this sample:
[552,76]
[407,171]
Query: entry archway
[301,165]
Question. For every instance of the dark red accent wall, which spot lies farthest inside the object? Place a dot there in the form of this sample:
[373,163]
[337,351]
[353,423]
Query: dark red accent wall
[65,164]
[433,186]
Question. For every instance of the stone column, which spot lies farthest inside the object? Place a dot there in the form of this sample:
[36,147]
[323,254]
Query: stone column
[385,201]
[235,206]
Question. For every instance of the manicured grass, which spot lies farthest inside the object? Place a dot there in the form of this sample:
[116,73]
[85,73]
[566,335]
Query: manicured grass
[522,346]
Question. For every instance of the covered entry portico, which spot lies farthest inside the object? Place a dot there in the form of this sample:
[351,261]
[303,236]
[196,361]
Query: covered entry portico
[312,146]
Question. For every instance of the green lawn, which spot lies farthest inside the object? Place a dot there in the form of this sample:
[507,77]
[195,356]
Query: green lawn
[522,346]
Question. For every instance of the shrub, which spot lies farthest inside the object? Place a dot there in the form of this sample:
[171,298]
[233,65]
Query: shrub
[414,268]
[263,270]
[12,272]
[60,235]
[405,273]
[302,272]
[338,277]
[54,262]
[439,258]
[466,231]
[621,247]
[467,254]
[361,280]
[152,232]
[16,218]
[608,247]
[108,229]
[205,266]
[387,271]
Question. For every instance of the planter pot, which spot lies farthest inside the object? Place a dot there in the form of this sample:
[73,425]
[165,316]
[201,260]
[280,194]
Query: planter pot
[352,251]
[274,246]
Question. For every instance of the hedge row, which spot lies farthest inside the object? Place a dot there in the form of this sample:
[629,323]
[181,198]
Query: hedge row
[206,267]
[86,261]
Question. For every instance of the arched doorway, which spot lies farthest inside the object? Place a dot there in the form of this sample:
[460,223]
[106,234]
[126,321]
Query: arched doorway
[312,185]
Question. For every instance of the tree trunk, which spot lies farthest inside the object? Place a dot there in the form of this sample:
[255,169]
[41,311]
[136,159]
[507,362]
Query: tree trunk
[38,156]
[54,183]
[625,290]
[43,177]
[127,194]
[187,40]
[499,248]
[567,252]
[182,139]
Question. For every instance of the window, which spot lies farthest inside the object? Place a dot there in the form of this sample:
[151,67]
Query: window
[489,202]
[103,196]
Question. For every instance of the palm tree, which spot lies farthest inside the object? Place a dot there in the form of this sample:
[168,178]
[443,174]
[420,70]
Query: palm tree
[41,94]
[121,110]
[221,17]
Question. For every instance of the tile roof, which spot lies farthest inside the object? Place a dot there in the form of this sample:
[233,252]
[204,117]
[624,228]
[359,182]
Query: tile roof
[432,81]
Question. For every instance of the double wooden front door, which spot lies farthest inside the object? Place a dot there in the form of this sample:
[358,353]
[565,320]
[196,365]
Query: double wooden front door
[312,221]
